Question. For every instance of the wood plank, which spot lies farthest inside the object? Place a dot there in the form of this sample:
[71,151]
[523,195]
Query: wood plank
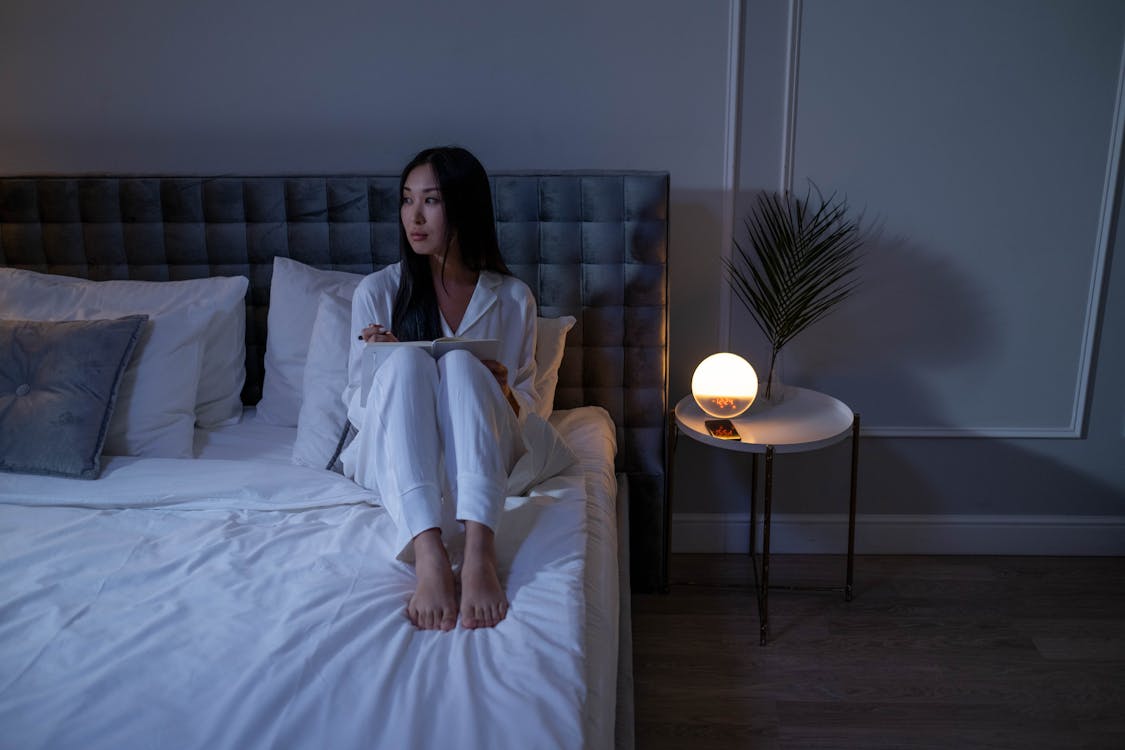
[933,652]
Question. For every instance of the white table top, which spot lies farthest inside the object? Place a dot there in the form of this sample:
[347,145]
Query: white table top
[805,420]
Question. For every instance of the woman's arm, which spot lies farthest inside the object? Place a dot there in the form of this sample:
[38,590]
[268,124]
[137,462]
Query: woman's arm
[522,382]
[373,302]
[500,372]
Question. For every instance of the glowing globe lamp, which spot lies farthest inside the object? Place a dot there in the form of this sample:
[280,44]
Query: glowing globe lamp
[724,385]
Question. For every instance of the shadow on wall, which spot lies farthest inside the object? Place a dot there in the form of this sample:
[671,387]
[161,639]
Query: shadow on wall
[915,313]
[912,312]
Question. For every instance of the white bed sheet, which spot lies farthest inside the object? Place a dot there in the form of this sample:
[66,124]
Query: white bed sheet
[239,601]
[250,439]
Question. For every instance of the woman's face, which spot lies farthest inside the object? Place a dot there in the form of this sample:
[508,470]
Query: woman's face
[423,213]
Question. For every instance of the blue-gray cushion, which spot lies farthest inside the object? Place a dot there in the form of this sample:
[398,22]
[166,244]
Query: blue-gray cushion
[58,386]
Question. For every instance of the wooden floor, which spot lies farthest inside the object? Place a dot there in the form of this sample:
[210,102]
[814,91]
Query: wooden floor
[933,652]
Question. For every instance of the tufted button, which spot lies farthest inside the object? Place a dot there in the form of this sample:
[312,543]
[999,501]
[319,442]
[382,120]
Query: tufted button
[23,390]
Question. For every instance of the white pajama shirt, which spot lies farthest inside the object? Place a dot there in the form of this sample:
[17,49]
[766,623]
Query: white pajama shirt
[441,429]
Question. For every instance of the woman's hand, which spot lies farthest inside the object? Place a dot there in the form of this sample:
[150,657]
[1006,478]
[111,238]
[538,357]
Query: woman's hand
[376,333]
[500,372]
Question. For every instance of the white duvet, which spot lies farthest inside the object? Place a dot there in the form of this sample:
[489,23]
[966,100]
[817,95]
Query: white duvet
[218,603]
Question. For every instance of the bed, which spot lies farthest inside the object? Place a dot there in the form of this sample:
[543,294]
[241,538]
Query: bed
[235,593]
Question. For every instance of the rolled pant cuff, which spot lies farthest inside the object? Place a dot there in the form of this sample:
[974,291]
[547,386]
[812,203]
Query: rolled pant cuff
[480,499]
[421,509]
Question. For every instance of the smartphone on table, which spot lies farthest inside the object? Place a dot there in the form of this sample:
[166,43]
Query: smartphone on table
[722,429]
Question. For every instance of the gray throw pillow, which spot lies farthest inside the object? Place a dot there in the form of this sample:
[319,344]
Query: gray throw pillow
[58,385]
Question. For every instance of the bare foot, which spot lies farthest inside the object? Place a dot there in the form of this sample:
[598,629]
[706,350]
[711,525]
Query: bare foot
[434,604]
[483,601]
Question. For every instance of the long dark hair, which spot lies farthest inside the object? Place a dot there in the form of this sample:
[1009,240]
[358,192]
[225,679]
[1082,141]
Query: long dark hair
[467,199]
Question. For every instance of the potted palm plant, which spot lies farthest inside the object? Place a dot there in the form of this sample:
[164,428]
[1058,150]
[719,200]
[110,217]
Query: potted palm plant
[800,264]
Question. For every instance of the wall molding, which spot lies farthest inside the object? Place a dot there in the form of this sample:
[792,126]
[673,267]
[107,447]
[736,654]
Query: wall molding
[1083,390]
[732,133]
[1076,428]
[894,534]
[1110,192]
[1015,433]
[792,68]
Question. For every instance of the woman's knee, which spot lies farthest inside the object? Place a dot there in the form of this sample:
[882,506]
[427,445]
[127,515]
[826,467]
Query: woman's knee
[410,366]
[462,367]
[408,359]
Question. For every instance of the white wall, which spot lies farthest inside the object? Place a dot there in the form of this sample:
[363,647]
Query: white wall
[982,140]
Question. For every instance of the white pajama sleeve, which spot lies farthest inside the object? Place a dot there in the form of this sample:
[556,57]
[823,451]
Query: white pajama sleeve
[522,382]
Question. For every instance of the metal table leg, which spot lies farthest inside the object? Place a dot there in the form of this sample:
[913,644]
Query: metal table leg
[762,584]
[754,511]
[764,590]
[851,507]
[666,532]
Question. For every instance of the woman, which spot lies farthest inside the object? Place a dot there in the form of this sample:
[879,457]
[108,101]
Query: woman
[447,429]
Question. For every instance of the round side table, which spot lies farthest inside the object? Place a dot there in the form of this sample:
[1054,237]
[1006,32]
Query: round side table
[805,420]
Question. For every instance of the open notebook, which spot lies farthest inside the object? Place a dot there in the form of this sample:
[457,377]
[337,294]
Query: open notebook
[374,353]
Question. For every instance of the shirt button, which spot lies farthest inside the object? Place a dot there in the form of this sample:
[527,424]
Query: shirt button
[23,390]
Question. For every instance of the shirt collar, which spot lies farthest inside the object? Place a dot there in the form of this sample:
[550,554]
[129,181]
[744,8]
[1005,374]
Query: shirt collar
[484,297]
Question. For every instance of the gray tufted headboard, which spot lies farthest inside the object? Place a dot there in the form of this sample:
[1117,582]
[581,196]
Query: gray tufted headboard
[591,244]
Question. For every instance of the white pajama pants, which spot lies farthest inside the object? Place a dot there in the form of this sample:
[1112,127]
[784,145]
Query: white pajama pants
[437,442]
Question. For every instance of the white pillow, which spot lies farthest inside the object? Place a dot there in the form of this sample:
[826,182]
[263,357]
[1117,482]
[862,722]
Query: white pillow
[155,412]
[219,396]
[323,416]
[294,295]
[550,344]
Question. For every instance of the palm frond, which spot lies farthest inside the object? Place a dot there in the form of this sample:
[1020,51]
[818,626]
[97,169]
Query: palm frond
[798,265]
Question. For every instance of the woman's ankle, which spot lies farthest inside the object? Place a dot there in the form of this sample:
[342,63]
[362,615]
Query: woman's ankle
[429,546]
[480,541]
